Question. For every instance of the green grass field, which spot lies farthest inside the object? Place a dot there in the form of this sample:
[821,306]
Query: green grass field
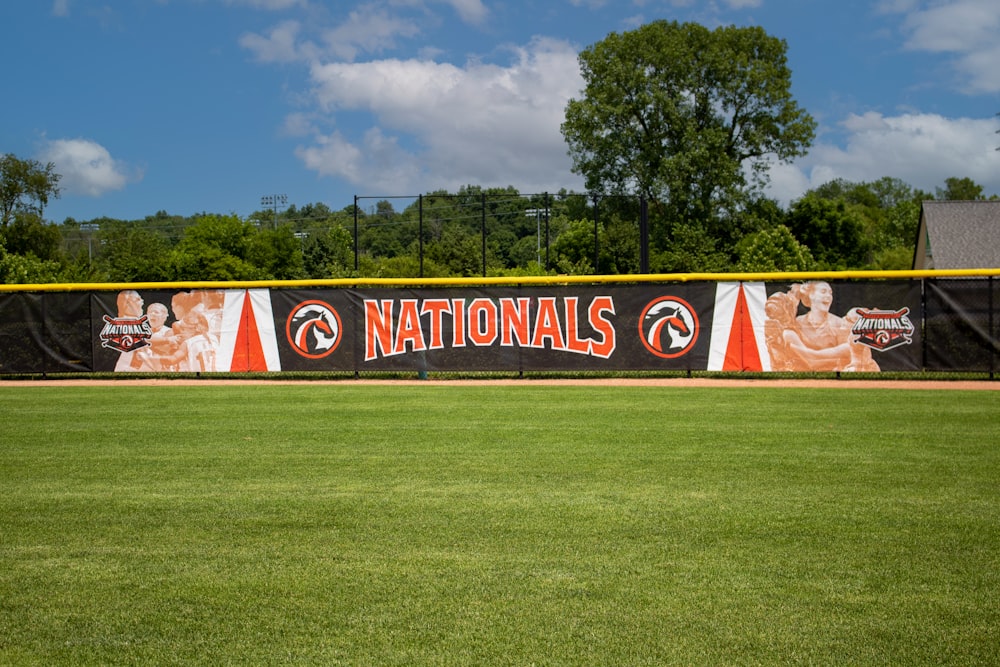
[353,524]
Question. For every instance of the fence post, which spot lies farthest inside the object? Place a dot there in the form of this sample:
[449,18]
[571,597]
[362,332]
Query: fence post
[923,324]
[546,201]
[643,235]
[355,233]
[482,223]
[420,231]
[597,248]
[992,329]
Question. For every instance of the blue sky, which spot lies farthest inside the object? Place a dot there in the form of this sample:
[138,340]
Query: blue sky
[208,105]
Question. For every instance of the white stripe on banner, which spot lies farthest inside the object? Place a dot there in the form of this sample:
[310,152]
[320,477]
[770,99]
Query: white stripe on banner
[726,295]
[232,309]
[260,301]
[756,296]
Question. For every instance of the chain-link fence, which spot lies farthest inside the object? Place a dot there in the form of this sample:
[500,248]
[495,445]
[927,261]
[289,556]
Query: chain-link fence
[482,234]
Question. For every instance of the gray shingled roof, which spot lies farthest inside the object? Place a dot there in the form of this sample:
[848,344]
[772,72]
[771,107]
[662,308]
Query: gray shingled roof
[962,234]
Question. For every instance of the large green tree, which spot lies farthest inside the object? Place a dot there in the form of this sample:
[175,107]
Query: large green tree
[773,249]
[131,252]
[28,234]
[960,189]
[328,253]
[833,232]
[573,250]
[688,117]
[216,247]
[888,211]
[278,253]
[24,269]
[25,187]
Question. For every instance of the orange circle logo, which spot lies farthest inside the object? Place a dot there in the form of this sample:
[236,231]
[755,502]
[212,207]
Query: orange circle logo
[668,327]
[313,329]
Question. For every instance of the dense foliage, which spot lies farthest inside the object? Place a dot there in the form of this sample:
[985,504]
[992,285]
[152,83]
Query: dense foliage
[475,232]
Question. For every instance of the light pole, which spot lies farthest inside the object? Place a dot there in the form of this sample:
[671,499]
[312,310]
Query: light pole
[273,202]
[537,212]
[90,228]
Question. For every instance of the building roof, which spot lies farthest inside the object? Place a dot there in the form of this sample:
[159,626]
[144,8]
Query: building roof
[958,235]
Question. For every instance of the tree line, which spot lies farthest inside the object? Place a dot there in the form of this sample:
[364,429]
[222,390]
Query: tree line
[495,232]
[674,133]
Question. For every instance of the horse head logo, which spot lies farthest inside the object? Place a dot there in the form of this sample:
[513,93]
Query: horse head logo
[669,327]
[314,329]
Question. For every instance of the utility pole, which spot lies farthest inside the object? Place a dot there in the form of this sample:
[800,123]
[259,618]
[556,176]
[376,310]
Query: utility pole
[90,228]
[272,203]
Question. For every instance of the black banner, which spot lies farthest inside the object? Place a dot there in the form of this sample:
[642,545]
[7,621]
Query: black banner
[813,326]
[961,319]
[45,332]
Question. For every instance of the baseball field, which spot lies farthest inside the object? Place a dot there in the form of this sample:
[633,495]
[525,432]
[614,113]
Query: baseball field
[353,523]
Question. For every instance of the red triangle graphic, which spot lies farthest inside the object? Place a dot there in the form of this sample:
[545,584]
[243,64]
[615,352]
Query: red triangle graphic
[249,352]
[741,352]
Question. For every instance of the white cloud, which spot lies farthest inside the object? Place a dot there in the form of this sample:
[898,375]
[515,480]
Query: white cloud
[956,26]
[981,70]
[633,22]
[369,30]
[376,163]
[480,123]
[470,11]
[86,167]
[896,6]
[60,8]
[299,124]
[920,149]
[272,5]
[278,46]
[333,155]
[966,28]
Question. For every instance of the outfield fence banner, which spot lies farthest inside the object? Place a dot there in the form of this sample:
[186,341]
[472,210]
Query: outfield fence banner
[865,326]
